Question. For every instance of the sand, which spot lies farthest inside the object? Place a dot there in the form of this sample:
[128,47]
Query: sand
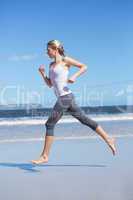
[77,169]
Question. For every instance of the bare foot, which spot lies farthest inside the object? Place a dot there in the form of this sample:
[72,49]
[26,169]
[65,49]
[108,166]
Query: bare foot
[111,143]
[42,159]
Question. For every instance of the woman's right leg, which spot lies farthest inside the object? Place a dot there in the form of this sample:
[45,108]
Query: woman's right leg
[78,113]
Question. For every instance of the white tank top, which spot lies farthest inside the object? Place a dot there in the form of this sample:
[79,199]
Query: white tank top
[59,76]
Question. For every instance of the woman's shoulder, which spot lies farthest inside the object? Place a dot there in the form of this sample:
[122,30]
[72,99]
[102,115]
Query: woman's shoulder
[72,61]
[66,60]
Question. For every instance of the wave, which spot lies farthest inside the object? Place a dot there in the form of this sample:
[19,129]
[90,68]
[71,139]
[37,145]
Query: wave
[68,119]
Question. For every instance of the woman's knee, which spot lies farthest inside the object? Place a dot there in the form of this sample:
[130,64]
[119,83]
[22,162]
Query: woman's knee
[94,125]
[89,122]
[49,129]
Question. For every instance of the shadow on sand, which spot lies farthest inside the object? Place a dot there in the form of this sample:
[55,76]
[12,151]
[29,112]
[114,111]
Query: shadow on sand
[33,168]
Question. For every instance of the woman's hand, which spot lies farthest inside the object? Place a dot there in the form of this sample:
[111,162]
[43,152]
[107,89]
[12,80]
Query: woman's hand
[71,79]
[41,69]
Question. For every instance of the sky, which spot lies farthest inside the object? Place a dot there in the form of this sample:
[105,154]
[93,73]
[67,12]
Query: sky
[97,33]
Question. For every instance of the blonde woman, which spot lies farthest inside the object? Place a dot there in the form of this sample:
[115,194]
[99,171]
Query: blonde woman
[58,80]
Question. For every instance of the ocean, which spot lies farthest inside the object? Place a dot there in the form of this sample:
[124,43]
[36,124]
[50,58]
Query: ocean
[32,128]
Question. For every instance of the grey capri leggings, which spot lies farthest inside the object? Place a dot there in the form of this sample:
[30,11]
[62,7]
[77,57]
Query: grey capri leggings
[67,103]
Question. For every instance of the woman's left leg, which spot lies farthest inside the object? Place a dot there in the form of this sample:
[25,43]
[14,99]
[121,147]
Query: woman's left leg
[79,114]
[60,106]
[54,117]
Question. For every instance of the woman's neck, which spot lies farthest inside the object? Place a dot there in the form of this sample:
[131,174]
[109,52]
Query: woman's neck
[58,59]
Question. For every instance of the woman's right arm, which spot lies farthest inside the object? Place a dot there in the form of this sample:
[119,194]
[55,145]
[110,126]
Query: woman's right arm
[45,78]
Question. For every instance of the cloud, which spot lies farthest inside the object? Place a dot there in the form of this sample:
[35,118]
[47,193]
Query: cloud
[27,57]
[120,93]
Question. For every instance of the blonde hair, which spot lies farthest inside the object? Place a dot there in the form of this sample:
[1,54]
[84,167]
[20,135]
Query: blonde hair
[56,44]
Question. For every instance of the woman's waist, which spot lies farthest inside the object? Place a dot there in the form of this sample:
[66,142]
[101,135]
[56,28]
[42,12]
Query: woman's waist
[61,91]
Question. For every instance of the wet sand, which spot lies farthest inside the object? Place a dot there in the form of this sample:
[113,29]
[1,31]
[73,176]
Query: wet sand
[77,169]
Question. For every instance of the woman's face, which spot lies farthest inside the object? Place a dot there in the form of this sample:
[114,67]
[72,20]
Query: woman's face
[51,52]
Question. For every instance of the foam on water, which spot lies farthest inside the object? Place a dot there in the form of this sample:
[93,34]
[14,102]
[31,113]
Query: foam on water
[64,119]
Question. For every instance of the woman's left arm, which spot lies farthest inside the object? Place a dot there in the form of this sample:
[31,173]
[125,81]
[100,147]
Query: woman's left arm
[82,68]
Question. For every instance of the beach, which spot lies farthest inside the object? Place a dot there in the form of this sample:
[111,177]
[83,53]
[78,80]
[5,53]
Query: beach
[66,64]
[80,166]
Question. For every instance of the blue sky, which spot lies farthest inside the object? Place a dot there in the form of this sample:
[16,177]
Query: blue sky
[95,32]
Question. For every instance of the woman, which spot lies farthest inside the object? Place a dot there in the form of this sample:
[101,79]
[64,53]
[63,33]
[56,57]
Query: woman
[58,79]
